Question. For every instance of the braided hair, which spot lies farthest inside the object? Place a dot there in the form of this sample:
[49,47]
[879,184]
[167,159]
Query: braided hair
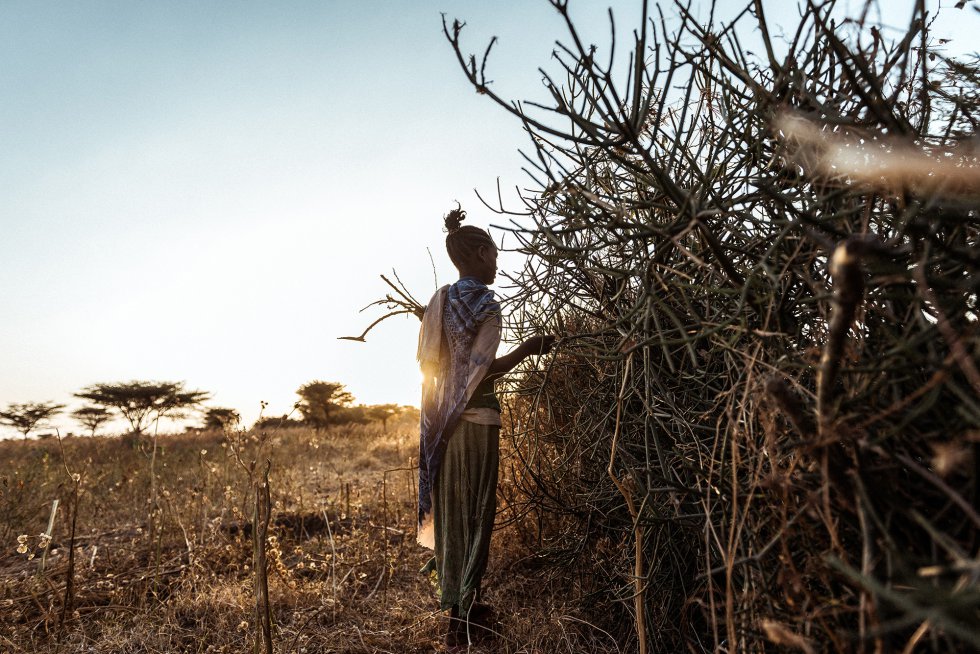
[462,241]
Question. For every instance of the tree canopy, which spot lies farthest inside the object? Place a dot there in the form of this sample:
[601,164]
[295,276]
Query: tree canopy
[382,412]
[220,418]
[141,402]
[26,417]
[92,417]
[320,400]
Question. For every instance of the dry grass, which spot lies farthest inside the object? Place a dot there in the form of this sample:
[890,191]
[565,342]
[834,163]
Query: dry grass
[162,563]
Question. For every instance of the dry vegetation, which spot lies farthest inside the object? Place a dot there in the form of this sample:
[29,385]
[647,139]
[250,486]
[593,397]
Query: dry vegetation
[759,243]
[174,573]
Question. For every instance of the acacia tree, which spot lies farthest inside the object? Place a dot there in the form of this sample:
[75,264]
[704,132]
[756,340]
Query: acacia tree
[141,402]
[320,400]
[26,417]
[92,417]
[220,418]
[383,412]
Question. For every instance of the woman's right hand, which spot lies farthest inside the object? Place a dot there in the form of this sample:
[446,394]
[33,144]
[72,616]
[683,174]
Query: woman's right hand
[540,344]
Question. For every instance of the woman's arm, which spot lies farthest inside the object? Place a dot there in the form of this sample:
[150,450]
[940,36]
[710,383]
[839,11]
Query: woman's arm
[506,363]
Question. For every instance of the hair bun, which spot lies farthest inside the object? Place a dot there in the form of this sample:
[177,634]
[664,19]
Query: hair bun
[454,218]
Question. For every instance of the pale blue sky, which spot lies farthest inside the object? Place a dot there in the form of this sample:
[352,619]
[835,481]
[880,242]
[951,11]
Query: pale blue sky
[208,191]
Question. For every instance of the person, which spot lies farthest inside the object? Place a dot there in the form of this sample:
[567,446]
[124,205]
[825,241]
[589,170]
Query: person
[460,427]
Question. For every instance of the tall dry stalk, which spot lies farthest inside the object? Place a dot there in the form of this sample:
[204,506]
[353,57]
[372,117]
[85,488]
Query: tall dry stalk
[262,510]
[67,606]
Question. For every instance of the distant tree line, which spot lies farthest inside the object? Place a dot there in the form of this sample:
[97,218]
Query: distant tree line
[323,404]
[142,403]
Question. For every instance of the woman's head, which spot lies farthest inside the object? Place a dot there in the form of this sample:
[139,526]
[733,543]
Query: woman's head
[470,248]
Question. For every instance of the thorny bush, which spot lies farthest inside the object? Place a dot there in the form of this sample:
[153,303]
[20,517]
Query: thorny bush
[761,422]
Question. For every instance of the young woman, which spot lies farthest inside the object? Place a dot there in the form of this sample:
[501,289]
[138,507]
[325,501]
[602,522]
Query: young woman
[460,426]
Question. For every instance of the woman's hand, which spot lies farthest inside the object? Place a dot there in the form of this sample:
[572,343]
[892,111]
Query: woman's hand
[540,344]
[535,345]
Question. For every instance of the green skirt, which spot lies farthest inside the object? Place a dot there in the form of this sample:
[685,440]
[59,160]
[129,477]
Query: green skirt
[465,494]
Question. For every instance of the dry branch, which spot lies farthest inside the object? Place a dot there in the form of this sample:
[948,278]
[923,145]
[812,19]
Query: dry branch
[705,219]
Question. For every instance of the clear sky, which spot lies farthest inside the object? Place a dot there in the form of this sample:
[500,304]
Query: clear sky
[208,191]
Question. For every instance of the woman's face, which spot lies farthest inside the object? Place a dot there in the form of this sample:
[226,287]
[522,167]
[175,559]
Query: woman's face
[486,264]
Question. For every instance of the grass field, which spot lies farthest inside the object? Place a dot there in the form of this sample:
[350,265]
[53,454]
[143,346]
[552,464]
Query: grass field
[163,550]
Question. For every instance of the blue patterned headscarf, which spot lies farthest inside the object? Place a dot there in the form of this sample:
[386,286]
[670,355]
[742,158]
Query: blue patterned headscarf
[471,303]
[451,363]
